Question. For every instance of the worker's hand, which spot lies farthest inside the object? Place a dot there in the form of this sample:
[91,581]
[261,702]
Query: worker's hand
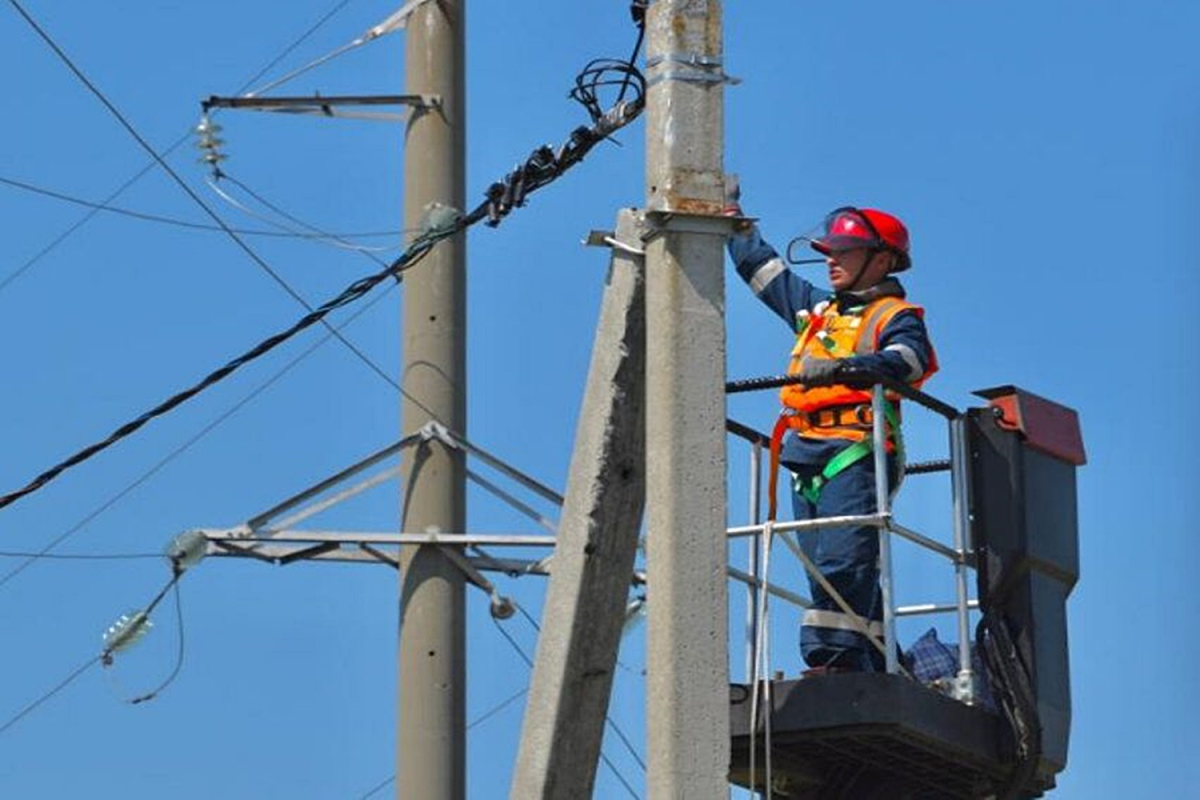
[733,197]
[821,371]
[733,205]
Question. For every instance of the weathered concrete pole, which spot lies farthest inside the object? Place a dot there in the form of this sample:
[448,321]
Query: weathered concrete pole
[431,743]
[595,549]
[687,671]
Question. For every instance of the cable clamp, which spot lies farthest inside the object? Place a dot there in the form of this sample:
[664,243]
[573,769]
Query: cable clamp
[679,222]
[438,218]
[695,65]
[690,59]
[436,431]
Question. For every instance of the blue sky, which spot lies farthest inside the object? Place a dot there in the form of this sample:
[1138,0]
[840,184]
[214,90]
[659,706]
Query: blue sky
[1043,154]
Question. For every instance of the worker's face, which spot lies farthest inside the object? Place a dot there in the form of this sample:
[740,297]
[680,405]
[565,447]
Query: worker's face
[847,270]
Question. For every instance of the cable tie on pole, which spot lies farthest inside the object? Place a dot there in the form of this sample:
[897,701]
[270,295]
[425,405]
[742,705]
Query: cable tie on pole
[438,219]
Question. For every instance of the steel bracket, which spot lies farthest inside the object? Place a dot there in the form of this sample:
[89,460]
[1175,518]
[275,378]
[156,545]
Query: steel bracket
[667,221]
[697,68]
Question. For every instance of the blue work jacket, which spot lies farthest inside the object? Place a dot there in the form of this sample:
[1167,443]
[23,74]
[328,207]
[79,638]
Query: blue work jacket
[904,348]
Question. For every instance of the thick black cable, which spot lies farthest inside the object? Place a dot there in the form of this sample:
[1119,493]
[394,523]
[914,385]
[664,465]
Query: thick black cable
[410,258]
[184,447]
[66,234]
[183,223]
[637,10]
[249,251]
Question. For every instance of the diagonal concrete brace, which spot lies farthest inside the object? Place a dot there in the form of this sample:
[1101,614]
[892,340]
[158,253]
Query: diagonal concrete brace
[596,546]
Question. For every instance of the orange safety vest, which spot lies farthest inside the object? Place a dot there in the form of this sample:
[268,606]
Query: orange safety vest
[835,412]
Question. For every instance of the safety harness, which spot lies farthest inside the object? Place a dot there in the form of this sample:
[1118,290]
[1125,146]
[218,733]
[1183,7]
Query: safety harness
[844,459]
[835,412]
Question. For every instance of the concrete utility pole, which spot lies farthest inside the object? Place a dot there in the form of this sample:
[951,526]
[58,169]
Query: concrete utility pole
[595,549]
[687,672]
[431,744]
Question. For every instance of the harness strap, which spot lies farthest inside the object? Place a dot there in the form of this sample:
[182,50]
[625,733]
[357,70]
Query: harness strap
[844,459]
[781,427]
[851,455]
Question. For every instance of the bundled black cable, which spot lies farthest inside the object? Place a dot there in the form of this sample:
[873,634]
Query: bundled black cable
[545,164]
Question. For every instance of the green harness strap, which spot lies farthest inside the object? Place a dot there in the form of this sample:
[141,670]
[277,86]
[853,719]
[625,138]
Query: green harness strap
[811,489]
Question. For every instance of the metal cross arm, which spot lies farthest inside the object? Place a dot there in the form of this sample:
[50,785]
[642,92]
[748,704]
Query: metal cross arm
[327,106]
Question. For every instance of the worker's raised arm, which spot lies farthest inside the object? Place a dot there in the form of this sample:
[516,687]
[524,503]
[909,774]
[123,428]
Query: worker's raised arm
[760,266]
[904,354]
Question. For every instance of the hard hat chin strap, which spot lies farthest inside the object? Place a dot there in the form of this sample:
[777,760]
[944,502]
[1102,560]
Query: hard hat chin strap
[871,253]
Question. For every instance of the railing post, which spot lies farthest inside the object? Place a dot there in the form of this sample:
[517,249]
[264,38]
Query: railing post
[883,506]
[752,565]
[964,688]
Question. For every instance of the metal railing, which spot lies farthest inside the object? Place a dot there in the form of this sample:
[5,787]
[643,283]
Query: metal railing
[760,533]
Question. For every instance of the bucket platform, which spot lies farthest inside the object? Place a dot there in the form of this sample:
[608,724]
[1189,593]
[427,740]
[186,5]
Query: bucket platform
[871,736]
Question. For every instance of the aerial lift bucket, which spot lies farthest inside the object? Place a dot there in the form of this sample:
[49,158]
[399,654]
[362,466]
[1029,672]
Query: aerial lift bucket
[878,735]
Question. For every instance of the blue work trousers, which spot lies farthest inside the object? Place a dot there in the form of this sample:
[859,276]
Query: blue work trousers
[848,557]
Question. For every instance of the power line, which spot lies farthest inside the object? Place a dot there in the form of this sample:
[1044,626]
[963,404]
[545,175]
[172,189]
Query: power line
[82,556]
[331,239]
[254,256]
[179,652]
[419,248]
[66,234]
[607,718]
[105,655]
[541,168]
[64,683]
[484,717]
[300,40]
[181,449]
[183,223]
[529,662]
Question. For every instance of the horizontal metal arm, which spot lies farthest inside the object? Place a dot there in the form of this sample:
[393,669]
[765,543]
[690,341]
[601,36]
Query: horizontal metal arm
[319,101]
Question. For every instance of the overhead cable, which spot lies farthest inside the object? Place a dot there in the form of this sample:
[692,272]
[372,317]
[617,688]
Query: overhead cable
[484,717]
[529,662]
[354,291]
[237,240]
[81,556]
[182,448]
[394,22]
[331,240]
[200,226]
[118,638]
[542,167]
[64,683]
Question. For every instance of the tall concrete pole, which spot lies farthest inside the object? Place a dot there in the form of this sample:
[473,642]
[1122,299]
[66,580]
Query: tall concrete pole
[431,744]
[687,669]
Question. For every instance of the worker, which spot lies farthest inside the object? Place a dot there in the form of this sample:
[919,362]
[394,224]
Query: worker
[824,433]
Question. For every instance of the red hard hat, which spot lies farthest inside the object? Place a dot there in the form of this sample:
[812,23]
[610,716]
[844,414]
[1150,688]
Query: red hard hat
[849,227]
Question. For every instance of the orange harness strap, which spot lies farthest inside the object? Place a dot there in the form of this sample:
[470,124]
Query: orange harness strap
[781,427]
